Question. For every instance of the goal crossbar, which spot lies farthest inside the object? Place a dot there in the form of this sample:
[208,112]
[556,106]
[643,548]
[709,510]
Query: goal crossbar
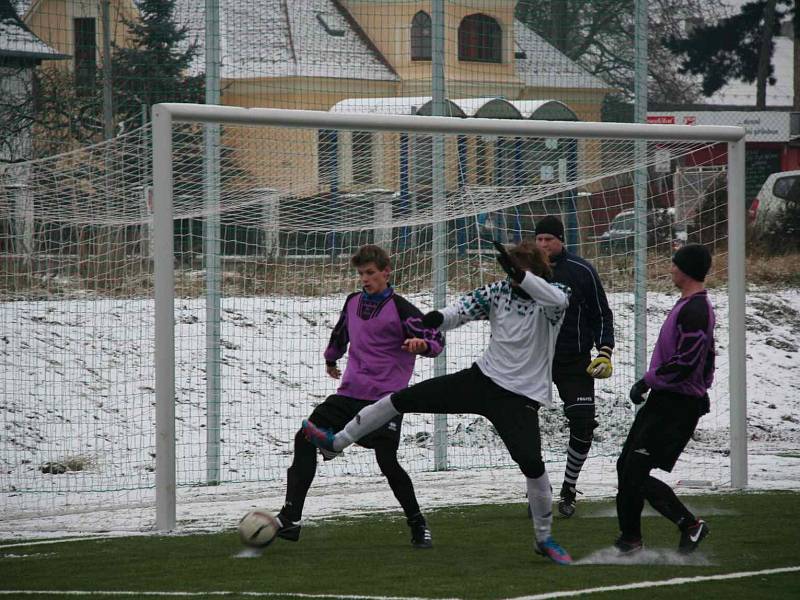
[203,113]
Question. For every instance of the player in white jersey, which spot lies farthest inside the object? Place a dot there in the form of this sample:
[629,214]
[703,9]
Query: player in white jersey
[507,385]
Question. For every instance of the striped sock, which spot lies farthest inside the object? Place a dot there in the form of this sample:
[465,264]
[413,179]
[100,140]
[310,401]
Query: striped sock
[577,452]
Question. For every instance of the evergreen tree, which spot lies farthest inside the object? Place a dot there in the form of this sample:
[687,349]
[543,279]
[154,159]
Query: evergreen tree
[155,66]
[737,47]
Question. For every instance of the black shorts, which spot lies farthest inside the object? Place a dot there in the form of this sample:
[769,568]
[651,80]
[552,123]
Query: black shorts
[515,417]
[575,386]
[337,410]
[663,427]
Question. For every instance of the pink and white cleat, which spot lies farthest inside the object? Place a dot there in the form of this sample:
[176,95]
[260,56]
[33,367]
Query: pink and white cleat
[550,549]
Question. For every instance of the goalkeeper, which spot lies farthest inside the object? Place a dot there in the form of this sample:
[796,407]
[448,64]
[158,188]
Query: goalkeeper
[506,385]
[384,333]
[588,323]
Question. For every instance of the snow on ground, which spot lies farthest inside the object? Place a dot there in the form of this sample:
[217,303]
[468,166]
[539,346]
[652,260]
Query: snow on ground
[78,394]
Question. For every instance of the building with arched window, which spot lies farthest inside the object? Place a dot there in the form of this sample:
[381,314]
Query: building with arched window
[316,54]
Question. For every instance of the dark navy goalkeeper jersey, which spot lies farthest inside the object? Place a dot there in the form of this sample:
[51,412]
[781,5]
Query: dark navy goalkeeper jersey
[683,359]
[588,321]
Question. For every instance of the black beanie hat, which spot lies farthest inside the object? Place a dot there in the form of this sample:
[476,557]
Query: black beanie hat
[550,225]
[694,260]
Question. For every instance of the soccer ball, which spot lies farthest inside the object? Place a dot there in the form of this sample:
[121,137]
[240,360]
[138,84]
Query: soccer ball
[258,528]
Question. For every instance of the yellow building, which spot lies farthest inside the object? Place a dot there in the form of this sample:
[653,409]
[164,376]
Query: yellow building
[75,28]
[332,54]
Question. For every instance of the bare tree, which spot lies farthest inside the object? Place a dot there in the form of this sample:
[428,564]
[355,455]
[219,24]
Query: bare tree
[599,35]
[46,108]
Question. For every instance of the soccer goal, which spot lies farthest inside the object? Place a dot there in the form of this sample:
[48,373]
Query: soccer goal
[167,311]
[435,191]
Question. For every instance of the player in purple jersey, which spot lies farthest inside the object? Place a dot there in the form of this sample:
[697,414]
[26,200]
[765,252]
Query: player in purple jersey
[382,333]
[681,371]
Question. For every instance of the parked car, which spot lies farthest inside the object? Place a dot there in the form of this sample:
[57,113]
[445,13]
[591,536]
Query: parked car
[774,214]
[620,235]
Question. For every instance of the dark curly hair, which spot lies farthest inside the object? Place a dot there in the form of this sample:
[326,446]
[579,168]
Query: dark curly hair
[531,258]
[370,253]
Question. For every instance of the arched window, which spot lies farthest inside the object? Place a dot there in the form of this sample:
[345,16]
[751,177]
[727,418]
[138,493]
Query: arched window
[480,39]
[421,36]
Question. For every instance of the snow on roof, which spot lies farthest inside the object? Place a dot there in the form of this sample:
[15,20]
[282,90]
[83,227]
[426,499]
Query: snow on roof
[462,107]
[544,65]
[392,105]
[285,38]
[21,6]
[313,38]
[17,40]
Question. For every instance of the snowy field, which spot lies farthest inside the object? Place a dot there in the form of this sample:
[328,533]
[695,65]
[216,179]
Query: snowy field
[78,438]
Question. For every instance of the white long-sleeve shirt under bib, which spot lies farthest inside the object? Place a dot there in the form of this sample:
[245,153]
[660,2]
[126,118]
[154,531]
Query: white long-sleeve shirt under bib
[519,357]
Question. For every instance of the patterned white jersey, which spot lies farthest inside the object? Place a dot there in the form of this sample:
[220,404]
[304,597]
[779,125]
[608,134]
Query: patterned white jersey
[519,357]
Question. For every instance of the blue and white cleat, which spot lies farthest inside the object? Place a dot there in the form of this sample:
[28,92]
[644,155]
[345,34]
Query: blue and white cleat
[319,436]
[550,549]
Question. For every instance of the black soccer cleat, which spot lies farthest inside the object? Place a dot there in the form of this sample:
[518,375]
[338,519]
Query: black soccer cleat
[420,533]
[566,500]
[627,547]
[692,536]
[288,530]
[329,454]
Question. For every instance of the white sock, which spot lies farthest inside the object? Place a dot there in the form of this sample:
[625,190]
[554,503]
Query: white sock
[540,499]
[366,421]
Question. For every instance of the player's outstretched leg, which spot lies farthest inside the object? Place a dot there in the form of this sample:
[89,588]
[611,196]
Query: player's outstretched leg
[691,536]
[319,436]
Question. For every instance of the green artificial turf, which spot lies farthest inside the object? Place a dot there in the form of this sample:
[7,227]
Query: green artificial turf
[480,552]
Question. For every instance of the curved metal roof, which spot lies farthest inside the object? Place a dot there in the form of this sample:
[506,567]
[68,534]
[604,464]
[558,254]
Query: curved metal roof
[488,108]
[403,105]
[545,110]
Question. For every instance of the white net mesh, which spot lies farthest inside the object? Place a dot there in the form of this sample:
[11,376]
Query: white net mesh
[77,295]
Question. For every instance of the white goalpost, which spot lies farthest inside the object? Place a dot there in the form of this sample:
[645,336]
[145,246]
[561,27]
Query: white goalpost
[452,197]
[167,296]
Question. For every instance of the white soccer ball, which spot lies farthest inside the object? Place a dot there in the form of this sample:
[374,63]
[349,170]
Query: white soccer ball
[258,528]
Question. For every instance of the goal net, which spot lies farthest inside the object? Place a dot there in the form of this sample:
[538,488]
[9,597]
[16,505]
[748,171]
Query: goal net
[165,331]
